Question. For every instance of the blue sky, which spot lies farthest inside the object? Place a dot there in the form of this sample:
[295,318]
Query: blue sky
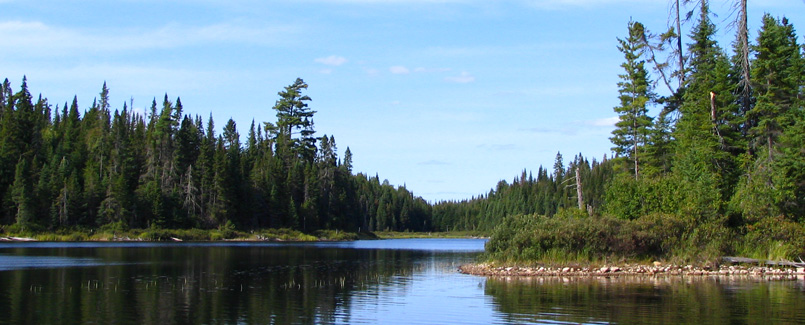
[445,96]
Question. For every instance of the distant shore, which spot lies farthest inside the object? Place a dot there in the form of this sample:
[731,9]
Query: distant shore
[264,235]
[658,269]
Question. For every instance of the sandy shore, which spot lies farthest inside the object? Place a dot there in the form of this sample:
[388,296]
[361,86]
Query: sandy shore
[634,270]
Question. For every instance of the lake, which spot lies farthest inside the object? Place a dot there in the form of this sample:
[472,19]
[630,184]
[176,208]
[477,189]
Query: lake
[404,281]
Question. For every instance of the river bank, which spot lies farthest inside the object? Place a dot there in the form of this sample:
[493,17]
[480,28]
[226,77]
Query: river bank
[658,269]
[277,235]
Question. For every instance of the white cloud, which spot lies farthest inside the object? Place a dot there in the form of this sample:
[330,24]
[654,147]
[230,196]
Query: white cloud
[463,78]
[608,121]
[332,60]
[434,162]
[132,79]
[499,147]
[564,4]
[426,70]
[38,38]
[398,69]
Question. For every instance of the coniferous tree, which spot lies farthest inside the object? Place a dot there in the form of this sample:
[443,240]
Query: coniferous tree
[777,73]
[632,130]
[295,117]
[698,141]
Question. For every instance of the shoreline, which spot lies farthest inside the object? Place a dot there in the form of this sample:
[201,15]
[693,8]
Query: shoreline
[265,235]
[632,270]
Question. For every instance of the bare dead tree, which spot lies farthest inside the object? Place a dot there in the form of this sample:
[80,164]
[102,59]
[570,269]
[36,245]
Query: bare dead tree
[743,46]
[676,12]
[578,189]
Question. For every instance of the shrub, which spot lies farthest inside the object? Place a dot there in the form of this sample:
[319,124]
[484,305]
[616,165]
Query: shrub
[572,236]
[774,238]
[566,236]
[115,227]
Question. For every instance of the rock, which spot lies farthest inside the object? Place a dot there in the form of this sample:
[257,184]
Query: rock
[801,270]
[657,263]
[604,269]
[614,269]
[566,270]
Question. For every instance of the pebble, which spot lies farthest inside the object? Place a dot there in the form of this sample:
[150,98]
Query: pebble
[780,273]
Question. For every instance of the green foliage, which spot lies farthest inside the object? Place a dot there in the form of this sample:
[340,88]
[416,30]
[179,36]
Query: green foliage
[632,130]
[571,236]
[227,230]
[119,169]
[543,194]
[773,238]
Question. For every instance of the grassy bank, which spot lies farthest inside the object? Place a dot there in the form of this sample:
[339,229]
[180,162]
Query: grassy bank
[573,238]
[446,234]
[156,234]
[116,233]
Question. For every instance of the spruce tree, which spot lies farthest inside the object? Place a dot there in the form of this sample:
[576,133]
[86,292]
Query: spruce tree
[632,129]
[697,145]
[777,72]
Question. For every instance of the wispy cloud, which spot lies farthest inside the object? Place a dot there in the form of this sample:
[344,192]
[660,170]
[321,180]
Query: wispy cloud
[499,147]
[332,60]
[132,78]
[44,39]
[607,121]
[430,70]
[453,116]
[398,69]
[565,131]
[434,163]
[464,77]
[567,4]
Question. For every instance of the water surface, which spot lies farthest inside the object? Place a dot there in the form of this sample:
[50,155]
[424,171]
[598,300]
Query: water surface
[405,281]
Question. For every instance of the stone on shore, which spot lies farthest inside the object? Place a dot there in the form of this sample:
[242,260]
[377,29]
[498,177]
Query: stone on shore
[765,272]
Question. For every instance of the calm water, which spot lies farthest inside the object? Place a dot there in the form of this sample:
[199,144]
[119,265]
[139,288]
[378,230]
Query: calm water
[409,281]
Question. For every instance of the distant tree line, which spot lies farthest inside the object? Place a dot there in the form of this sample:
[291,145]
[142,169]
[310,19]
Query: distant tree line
[63,168]
[544,194]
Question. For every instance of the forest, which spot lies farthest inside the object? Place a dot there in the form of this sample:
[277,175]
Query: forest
[720,169]
[61,168]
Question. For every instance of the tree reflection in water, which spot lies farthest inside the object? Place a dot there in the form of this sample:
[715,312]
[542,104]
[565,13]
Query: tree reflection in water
[644,300]
[196,284]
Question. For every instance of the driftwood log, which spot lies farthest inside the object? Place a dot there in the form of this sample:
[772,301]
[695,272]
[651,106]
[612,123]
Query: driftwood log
[745,260]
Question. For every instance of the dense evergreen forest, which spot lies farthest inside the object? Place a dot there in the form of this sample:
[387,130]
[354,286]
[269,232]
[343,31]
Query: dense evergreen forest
[719,170]
[61,168]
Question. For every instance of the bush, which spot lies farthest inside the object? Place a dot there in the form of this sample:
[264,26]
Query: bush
[774,238]
[572,236]
[568,235]
[227,230]
[656,235]
[115,227]
[336,235]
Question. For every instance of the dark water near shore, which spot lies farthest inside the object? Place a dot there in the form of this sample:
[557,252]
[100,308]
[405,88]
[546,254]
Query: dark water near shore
[407,281]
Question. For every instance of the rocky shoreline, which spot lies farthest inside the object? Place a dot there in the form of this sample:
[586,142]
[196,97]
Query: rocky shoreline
[658,269]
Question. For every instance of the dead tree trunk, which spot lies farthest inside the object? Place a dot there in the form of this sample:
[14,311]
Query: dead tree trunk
[578,189]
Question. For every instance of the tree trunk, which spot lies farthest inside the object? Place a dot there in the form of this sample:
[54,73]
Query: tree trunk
[578,189]
[679,46]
